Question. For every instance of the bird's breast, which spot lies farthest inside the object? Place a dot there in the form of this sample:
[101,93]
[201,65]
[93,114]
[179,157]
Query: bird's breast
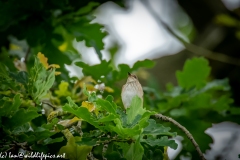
[128,93]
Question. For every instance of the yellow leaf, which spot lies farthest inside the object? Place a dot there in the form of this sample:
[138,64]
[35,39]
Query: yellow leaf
[52,115]
[6,93]
[96,111]
[90,87]
[43,59]
[68,123]
[63,90]
[14,47]
[74,151]
[165,154]
[57,73]
[87,80]
[67,134]
[90,106]
[53,66]
[63,47]
[108,89]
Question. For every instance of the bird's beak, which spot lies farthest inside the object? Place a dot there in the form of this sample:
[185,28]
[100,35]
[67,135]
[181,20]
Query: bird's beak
[129,74]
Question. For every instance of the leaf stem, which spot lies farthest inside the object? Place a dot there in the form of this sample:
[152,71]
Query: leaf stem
[188,134]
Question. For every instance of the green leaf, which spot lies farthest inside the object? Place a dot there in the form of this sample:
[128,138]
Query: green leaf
[87,141]
[134,122]
[50,126]
[21,77]
[235,110]
[71,103]
[85,91]
[88,8]
[227,20]
[40,80]
[90,32]
[21,117]
[7,83]
[82,113]
[50,140]
[163,141]
[39,148]
[108,118]
[157,129]
[92,97]
[62,90]
[123,69]
[42,134]
[135,109]
[99,70]
[110,99]
[21,129]
[217,84]
[134,151]
[121,131]
[74,151]
[194,74]
[222,104]
[113,152]
[143,122]
[3,71]
[9,107]
[179,112]
[200,101]
[106,106]
[145,63]
[26,137]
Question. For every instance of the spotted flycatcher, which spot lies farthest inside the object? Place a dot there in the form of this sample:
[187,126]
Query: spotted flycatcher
[131,89]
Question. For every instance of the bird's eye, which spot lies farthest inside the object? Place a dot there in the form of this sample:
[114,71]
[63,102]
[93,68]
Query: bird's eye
[135,77]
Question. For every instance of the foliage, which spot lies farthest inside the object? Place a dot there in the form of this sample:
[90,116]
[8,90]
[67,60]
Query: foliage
[42,109]
[50,27]
[196,102]
[109,124]
[99,126]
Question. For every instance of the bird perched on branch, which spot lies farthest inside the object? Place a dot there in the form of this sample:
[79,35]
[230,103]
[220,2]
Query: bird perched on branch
[131,89]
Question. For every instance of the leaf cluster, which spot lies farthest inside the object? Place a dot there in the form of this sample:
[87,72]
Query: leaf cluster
[196,103]
[128,133]
[20,94]
[98,126]
[50,27]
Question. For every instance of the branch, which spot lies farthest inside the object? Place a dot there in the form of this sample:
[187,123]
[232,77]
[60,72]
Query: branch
[9,149]
[23,145]
[188,134]
[27,54]
[189,46]
[49,104]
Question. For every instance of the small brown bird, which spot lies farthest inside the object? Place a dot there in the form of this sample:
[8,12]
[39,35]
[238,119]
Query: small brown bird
[131,89]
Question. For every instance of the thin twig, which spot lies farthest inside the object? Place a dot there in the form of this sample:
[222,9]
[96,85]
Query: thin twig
[49,104]
[23,145]
[189,46]
[27,54]
[9,149]
[188,134]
